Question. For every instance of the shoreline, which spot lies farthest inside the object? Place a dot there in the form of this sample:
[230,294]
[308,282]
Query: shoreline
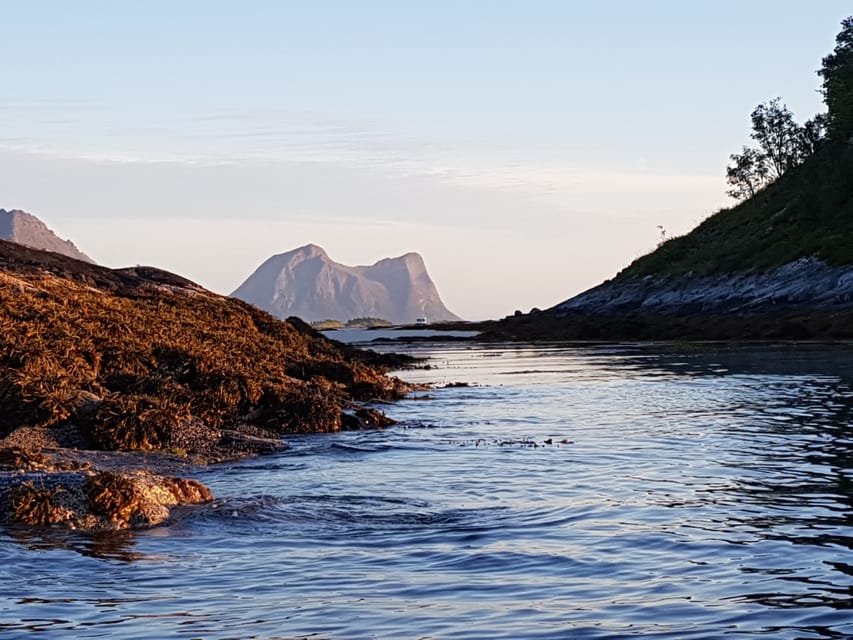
[548,326]
[100,367]
[82,489]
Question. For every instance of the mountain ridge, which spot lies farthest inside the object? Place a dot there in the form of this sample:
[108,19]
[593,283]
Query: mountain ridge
[24,228]
[307,283]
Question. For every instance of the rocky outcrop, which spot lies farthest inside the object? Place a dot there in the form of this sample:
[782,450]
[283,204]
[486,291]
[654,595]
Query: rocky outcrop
[778,265]
[127,362]
[308,284]
[35,490]
[141,359]
[24,228]
[805,299]
[803,285]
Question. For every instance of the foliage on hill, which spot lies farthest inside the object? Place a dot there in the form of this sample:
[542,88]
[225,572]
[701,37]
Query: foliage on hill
[837,74]
[366,323]
[354,323]
[799,188]
[141,359]
[807,212]
[782,145]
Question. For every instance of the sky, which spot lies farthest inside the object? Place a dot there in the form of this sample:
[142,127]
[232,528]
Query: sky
[528,149]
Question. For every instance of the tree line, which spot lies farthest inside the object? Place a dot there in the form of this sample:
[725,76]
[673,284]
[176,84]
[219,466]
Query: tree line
[782,142]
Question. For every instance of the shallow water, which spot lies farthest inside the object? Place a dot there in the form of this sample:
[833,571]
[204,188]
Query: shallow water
[569,492]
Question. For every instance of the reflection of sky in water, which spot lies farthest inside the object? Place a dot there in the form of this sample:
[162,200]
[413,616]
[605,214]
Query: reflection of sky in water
[592,492]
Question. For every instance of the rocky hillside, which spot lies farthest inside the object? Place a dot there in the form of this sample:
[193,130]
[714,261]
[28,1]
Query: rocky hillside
[804,285]
[308,284]
[142,359]
[111,381]
[788,249]
[806,213]
[24,228]
[777,266]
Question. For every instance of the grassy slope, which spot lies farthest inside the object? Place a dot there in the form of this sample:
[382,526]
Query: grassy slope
[143,359]
[809,211]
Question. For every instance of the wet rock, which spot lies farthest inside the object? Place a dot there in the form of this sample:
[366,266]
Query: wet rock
[95,501]
[32,504]
[16,458]
[248,440]
[144,360]
[364,418]
[113,380]
[802,285]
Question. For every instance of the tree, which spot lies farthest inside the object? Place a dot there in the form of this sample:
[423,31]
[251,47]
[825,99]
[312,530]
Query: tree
[813,134]
[748,174]
[782,144]
[837,74]
[779,136]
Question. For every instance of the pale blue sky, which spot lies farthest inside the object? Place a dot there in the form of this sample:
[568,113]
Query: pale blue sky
[527,149]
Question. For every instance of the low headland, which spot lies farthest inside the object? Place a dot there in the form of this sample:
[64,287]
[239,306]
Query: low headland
[116,383]
[777,266]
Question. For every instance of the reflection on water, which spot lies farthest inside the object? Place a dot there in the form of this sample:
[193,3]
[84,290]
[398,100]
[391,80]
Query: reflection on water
[113,545]
[569,492]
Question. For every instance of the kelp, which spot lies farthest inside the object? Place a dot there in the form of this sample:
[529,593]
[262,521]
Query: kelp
[38,506]
[141,359]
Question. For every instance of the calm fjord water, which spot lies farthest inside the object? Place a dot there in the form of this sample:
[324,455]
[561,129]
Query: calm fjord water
[571,492]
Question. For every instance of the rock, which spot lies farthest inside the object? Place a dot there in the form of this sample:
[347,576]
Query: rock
[113,380]
[308,284]
[24,228]
[95,501]
[143,360]
[364,418]
[803,285]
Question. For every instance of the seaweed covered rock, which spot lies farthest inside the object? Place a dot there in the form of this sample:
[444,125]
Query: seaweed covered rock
[95,501]
[141,359]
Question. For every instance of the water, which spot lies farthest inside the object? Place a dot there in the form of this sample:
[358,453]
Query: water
[686,492]
[365,336]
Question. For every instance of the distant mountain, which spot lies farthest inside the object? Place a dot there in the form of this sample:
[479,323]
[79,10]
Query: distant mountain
[308,284]
[24,228]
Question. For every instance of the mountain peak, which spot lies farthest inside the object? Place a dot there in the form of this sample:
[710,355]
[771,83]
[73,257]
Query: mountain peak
[300,254]
[411,258]
[306,282]
[311,250]
[24,228]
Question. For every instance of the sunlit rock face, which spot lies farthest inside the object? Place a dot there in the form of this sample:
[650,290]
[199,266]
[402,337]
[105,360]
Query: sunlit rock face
[307,283]
[802,285]
[24,228]
[94,500]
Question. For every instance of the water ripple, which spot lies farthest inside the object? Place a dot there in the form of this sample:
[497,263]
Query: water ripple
[574,492]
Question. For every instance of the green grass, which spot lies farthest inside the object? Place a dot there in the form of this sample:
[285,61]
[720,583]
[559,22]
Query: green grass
[808,212]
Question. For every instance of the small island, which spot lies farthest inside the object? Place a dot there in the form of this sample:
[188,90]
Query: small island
[354,323]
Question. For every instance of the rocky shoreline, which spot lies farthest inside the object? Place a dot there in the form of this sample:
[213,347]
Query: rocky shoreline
[806,299]
[63,489]
[802,286]
[115,382]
